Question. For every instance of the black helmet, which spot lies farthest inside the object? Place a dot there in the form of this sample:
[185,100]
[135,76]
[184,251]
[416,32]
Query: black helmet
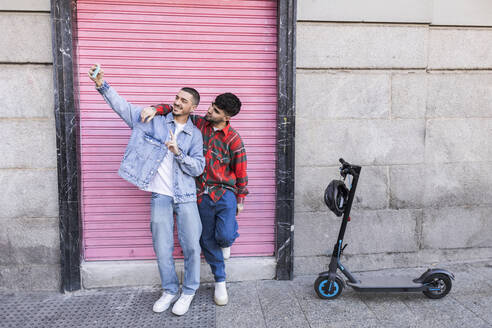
[336,195]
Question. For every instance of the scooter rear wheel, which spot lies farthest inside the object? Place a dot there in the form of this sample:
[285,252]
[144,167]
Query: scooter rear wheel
[325,290]
[440,285]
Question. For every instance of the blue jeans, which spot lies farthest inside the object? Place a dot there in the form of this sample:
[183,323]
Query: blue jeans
[189,230]
[219,230]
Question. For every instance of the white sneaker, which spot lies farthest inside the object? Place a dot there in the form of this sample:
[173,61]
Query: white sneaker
[226,253]
[220,293]
[163,303]
[183,304]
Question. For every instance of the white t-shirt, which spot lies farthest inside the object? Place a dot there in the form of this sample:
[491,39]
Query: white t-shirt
[163,180]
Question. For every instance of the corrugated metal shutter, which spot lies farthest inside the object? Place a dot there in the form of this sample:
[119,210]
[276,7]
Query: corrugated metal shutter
[149,49]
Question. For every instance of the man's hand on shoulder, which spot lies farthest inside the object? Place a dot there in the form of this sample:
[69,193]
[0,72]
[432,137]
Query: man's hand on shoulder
[147,114]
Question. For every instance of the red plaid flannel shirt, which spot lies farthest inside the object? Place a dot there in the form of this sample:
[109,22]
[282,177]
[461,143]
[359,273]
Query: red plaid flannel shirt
[225,158]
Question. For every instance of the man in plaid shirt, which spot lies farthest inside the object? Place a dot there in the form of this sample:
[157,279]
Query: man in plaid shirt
[222,186]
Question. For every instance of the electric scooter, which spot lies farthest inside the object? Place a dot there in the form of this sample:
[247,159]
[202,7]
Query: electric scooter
[434,283]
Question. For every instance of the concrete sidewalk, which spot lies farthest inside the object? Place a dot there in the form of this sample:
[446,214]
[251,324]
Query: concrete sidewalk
[265,304]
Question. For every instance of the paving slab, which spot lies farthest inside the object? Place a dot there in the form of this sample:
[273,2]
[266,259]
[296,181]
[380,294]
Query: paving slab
[484,269]
[244,308]
[391,310]
[481,305]
[280,306]
[347,308]
[446,311]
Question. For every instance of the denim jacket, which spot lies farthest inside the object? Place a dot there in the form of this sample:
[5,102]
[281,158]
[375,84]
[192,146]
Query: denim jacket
[146,149]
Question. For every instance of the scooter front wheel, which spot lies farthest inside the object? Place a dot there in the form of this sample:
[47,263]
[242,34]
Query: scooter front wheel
[439,286]
[327,289]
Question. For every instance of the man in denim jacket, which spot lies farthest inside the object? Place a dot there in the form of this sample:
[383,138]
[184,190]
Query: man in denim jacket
[163,157]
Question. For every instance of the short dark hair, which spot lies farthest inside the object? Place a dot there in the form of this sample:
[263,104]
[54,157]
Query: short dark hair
[194,93]
[229,103]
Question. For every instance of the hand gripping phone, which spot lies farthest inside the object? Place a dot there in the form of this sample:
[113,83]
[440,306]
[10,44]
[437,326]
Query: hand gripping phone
[96,71]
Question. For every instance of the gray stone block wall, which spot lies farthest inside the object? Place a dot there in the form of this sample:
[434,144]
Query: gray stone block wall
[435,12]
[29,236]
[411,104]
[330,45]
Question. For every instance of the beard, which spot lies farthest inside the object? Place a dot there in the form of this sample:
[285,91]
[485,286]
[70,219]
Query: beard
[212,120]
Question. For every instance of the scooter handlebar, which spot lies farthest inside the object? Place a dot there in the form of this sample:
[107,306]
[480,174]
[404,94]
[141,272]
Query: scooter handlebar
[346,168]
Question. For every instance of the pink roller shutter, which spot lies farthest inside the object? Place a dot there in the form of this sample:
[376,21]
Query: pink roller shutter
[149,49]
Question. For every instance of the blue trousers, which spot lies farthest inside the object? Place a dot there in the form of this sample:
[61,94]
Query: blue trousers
[189,230]
[219,230]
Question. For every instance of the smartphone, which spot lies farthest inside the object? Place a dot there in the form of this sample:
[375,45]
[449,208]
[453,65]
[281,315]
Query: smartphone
[96,71]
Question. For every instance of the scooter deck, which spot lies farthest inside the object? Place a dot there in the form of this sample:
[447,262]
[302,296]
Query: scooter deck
[387,284]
